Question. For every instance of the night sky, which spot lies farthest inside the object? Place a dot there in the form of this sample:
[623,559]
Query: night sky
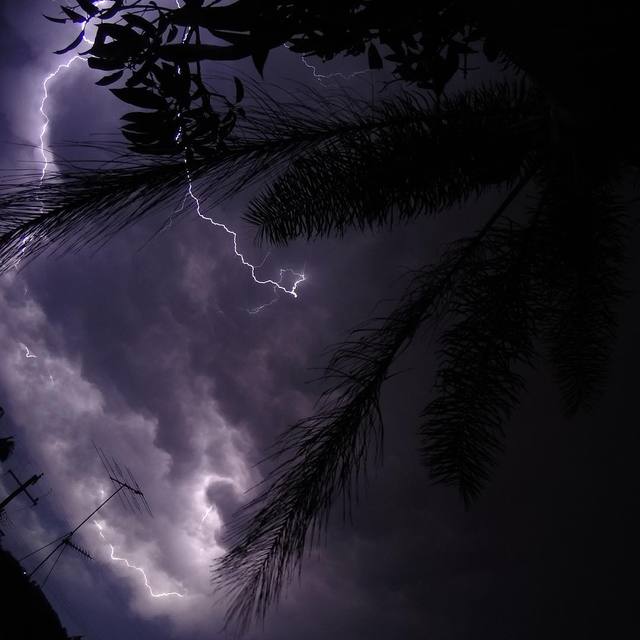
[150,349]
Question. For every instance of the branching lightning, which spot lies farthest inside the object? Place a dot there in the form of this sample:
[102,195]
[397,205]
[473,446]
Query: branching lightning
[299,278]
[277,284]
[256,310]
[322,77]
[115,558]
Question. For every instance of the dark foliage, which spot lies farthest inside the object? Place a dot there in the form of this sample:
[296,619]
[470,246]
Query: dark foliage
[411,158]
[320,458]
[477,384]
[77,205]
[547,282]
[583,227]
[157,52]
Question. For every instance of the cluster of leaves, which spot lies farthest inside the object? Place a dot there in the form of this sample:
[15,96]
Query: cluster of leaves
[404,160]
[426,42]
[158,51]
[151,48]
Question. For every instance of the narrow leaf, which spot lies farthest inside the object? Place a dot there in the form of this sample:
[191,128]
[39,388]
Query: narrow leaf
[112,10]
[259,60]
[134,20]
[88,7]
[173,32]
[58,20]
[73,45]
[140,97]
[239,90]
[110,78]
[104,65]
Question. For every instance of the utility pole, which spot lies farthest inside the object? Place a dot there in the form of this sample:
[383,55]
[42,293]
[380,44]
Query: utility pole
[22,488]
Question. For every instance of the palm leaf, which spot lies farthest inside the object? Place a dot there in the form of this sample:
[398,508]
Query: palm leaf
[477,384]
[321,458]
[412,158]
[78,207]
[583,230]
[80,204]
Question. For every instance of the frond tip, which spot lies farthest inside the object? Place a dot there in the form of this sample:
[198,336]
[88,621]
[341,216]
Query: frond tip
[320,459]
[583,234]
[477,384]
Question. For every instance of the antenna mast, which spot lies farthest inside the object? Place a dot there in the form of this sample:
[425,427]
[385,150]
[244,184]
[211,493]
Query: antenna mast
[126,487]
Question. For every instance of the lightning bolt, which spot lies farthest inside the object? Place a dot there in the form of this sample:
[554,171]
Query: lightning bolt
[276,284]
[300,277]
[45,126]
[27,352]
[115,558]
[45,97]
[206,513]
[256,310]
[45,117]
[322,77]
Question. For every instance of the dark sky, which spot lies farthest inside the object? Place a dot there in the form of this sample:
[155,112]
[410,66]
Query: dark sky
[153,354]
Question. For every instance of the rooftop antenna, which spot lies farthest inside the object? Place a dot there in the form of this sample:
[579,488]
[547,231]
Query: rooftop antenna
[126,487]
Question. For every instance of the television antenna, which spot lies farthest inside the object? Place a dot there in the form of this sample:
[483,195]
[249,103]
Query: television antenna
[125,486]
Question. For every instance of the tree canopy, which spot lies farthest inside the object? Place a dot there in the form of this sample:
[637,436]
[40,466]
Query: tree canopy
[157,51]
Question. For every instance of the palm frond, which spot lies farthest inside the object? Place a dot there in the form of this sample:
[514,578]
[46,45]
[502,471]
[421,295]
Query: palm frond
[79,204]
[477,384]
[321,458]
[412,158]
[583,231]
[79,207]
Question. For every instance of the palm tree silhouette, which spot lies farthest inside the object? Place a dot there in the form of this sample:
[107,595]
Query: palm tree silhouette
[543,279]
[546,279]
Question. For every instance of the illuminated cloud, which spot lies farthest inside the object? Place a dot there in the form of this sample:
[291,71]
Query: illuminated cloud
[57,424]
